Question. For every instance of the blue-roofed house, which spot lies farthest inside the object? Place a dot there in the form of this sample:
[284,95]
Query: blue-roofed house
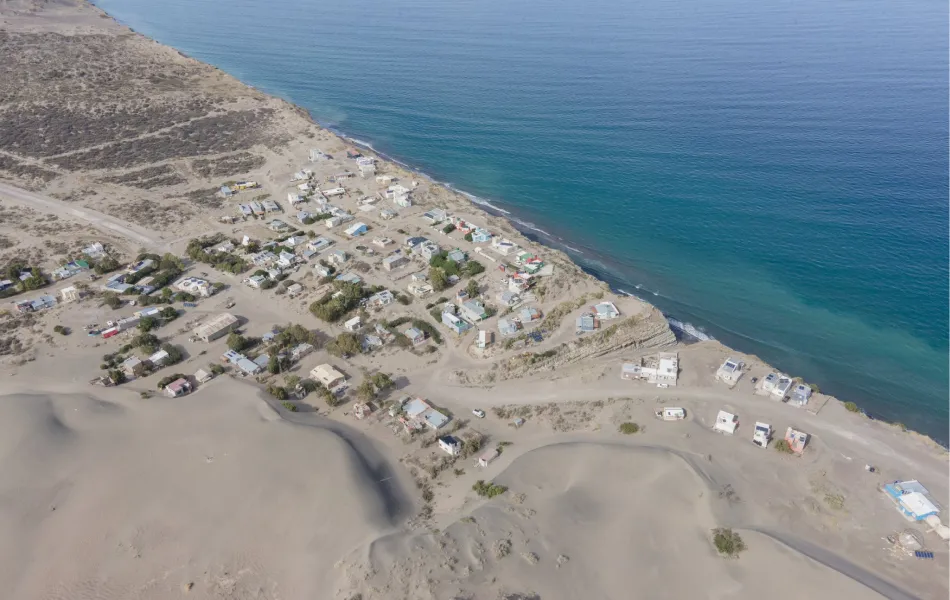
[911,499]
[507,327]
[586,323]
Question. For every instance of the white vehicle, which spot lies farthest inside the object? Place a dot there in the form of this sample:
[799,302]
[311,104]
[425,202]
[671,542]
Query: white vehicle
[762,434]
[670,413]
[479,413]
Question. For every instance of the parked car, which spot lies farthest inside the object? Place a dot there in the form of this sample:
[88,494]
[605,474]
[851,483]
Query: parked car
[479,413]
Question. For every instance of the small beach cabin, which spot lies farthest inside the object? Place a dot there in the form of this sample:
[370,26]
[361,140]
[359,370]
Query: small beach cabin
[911,499]
[796,440]
[486,458]
[730,372]
[726,423]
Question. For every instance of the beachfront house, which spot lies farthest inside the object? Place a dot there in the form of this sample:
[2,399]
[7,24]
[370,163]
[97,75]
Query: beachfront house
[202,376]
[911,499]
[606,311]
[730,372]
[801,393]
[503,246]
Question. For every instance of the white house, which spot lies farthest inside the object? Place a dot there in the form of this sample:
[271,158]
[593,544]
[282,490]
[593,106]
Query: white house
[726,423]
[606,311]
[662,370]
[503,246]
[730,372]
[353,324]
[450,445]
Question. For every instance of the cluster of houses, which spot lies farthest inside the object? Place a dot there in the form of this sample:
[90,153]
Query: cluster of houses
[727,423]
[130,322]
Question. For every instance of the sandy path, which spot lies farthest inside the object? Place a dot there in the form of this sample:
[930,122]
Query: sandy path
[95,218]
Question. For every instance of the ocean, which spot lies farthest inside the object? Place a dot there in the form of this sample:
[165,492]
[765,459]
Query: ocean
[773,175]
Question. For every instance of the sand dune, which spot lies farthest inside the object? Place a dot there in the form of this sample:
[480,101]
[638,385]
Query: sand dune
[137,500]
[595,522]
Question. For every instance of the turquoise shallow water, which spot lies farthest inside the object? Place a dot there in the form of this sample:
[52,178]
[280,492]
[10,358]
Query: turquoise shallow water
[773,173]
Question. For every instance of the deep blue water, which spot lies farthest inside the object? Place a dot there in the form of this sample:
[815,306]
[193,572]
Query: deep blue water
[774,172]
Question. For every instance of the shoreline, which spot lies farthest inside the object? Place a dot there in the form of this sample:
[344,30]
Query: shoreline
[536,235]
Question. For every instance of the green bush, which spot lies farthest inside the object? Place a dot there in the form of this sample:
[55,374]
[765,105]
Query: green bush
[473,268]
[289,406]
[61,330]
[851,406]
[783,446]
[488,490]
[277,392]
[629,428]
[727,542]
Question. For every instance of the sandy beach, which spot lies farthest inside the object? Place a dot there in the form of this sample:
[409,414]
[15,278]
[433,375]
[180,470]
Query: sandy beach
[233,492]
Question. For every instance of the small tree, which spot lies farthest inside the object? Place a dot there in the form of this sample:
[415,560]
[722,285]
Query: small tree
[112,300]
[169,313]
[382,381]
[148,323]
[366,391]
[292,381]
[783,446]
[472,288]
[728,542]
[236,342]
[438,279]
[273,364]
[473,268]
